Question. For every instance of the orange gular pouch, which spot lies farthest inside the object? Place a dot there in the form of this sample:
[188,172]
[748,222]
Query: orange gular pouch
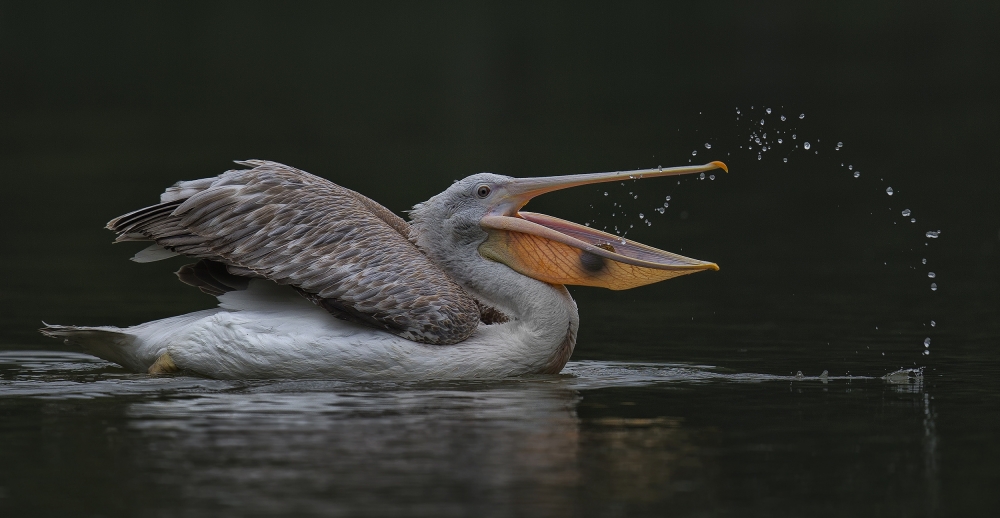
[557,251]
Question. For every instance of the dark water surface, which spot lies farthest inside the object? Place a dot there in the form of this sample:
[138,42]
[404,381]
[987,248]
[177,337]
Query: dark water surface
[682,397]
[604,438]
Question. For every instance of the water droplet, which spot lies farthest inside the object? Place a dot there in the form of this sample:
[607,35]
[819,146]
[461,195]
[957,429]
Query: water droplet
[762,122]
[913,220]
[636,197]
[587,223]
[931,275]
[779,141]
[783,117]
[857,174]
[799,375]
[806,145]
[768,110]
[701,176]
[667,198]
[661,210]
[927,352]
[933,286]
[784,160]
[648,224]
[840,145]
[708,146]
[906,212]
[888,190]
[923,261]
[933,234]
[933,323]
[756,140]
[802,115]
[850,168]
[711,177]
[758,156]
[665,205]
[605,193]
[927,342]
[793,136]
[642,216]
[695,152]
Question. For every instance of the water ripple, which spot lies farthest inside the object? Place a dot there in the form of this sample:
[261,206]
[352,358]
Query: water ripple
[67,375]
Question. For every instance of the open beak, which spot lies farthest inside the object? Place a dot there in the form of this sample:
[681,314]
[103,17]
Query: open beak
[562,252]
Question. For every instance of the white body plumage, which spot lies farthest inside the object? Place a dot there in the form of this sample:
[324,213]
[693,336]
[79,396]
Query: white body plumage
[269,331]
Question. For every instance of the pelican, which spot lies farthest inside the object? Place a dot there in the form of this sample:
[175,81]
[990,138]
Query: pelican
[318,281]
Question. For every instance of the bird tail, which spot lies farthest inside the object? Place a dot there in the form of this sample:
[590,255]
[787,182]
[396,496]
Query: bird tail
[108,343]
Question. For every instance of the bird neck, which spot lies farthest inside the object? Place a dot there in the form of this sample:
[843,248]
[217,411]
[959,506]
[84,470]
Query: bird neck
[544,317]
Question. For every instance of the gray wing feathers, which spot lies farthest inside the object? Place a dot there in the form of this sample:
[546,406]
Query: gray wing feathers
[331,243]
[185,189]
[386,215]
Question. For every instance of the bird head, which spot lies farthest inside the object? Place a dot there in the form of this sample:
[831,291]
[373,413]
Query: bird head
[483,212]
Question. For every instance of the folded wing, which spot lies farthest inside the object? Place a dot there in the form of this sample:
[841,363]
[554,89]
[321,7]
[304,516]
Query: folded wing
[340,249]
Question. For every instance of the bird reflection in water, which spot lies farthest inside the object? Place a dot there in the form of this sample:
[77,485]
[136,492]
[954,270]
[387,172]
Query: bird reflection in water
[393,451]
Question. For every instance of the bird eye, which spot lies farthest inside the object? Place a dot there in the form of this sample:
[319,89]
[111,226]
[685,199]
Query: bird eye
[483,191]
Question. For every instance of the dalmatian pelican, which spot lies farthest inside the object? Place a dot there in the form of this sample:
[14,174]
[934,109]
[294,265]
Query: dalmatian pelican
[318,281]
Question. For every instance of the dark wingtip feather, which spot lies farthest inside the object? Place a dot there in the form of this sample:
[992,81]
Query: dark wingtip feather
[211,277]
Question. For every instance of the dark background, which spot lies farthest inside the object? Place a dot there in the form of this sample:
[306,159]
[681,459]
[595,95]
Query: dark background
[102,105]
